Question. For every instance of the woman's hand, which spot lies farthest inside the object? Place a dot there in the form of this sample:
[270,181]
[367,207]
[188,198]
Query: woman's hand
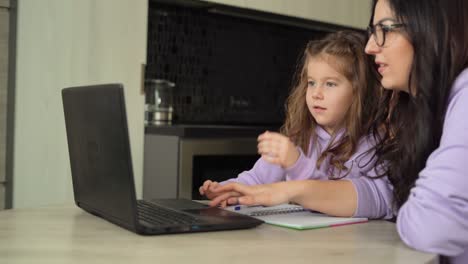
[277,149]
[336,198]
[236,193]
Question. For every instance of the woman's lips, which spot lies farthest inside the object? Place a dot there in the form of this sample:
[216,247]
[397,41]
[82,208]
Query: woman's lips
[382,67]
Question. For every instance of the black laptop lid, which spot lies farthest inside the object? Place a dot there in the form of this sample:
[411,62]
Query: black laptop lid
[99,149]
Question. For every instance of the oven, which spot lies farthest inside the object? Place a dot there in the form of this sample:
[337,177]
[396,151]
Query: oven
[177,164]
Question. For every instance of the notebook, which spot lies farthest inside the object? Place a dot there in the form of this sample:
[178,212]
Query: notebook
[294,216]
[102,174]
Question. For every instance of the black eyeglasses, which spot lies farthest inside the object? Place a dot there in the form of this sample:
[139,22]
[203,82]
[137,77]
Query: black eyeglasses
[380,32]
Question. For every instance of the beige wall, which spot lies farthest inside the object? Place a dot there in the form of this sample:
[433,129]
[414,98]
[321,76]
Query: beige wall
[65,43]
[354,13]
[74,42]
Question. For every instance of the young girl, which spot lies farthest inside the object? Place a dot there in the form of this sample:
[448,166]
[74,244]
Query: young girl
[328,113]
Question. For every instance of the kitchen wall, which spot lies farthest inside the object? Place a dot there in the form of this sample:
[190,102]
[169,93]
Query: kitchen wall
[63,43]
[68,42]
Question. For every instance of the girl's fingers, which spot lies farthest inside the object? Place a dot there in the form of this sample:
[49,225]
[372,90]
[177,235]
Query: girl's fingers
[269,148]
[264,135]
[272,159]
[213,186]
[263,145]
[206,184]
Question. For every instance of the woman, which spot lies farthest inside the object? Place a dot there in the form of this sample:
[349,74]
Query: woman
[421,52]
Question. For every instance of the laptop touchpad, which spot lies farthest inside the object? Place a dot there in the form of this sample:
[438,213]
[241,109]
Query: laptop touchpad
[215,212]
[179,204]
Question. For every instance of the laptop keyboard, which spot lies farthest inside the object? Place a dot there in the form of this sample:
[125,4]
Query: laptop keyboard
[157,215]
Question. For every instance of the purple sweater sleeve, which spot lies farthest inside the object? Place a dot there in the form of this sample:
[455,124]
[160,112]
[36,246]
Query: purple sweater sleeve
[375,195]
[304,168]
[262,172]
[435,216]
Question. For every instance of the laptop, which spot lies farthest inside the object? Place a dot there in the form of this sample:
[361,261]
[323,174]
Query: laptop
[102,173]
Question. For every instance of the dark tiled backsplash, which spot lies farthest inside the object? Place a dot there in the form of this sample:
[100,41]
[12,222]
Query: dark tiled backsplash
[227,70]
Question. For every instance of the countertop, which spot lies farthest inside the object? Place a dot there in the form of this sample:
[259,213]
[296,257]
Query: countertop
[66,234]
[207,131]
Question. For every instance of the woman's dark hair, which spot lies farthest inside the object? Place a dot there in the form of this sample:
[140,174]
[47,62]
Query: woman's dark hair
[409,128]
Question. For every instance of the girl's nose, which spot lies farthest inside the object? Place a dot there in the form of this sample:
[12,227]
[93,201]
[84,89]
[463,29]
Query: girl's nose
[318,92]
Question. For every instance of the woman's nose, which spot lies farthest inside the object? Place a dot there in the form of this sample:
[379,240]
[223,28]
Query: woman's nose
[371,47]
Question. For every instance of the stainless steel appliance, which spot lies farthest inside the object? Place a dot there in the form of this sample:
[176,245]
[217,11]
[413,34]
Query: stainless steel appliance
[178,159]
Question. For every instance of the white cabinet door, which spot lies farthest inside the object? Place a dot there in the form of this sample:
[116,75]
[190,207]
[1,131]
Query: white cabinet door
[2,196]
[4,3]
[4,25]
[238,3]
[353,13]
[63,43]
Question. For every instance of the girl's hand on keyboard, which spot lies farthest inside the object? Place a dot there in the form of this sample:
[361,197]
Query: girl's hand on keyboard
[207,189]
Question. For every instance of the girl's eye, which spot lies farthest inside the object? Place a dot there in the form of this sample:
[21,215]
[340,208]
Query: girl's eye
[330,84]
[310,83]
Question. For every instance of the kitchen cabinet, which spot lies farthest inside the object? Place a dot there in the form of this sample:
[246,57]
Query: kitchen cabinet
[62,44]
[4,37]
[2,197]
[352,13]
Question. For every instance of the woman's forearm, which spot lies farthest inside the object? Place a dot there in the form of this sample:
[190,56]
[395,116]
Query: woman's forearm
[338,198]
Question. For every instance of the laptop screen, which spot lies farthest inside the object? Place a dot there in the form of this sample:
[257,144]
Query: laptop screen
[99,149]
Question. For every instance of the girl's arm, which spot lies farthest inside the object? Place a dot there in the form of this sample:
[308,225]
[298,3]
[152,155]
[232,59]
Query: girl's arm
[261,173]
[305,168]
[278,149]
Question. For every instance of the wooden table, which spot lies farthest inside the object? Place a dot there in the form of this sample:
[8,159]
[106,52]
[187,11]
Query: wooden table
[66,234]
